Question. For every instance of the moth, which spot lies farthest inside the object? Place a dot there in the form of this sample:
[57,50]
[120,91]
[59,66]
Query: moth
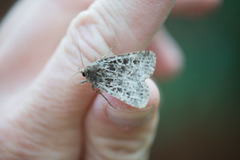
[123,76]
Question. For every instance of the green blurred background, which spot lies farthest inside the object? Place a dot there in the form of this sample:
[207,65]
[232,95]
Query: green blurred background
[200,109]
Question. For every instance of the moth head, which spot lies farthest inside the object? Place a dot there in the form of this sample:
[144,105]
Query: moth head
[82,71]
[83,74]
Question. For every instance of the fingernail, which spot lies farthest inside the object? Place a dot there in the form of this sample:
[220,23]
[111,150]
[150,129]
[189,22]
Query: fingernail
[129,117]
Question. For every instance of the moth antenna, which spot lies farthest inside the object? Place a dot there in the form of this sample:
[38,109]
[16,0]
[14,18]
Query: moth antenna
[79,49]
[80,71]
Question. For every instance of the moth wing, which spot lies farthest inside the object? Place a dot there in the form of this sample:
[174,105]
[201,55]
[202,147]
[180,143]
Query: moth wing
[123,76]
[131,92]
[134,65]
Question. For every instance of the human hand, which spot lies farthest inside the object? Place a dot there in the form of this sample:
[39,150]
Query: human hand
[44,115]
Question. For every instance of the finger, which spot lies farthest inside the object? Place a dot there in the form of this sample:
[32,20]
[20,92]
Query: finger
[97,31]
[54,80]
[120,28]
[41,22]
[194,8]
[56,106]
[110,131]
[29,34]
[169,55]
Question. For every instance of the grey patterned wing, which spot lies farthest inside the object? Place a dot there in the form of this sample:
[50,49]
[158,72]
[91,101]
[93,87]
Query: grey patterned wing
[133,66]
[123,76]
[133,93]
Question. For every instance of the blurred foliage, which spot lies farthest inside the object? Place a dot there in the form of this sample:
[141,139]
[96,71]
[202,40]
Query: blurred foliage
[200,109]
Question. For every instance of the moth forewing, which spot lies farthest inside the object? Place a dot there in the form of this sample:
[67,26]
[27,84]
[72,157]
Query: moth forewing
[123,76]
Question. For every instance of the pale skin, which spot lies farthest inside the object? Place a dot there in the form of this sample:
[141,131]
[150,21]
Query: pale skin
[43,113]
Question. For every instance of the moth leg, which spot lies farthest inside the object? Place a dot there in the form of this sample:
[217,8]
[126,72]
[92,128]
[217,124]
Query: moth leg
[110,50]
[107,54]
[101,95]
[84,81]
[104,56]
